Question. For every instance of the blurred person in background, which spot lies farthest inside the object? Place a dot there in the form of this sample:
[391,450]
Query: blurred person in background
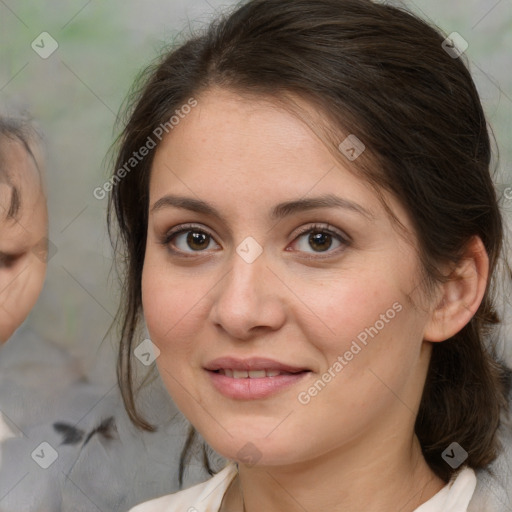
[62,437]
[23,227]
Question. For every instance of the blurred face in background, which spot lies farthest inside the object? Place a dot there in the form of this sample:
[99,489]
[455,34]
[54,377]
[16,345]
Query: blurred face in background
[23,232]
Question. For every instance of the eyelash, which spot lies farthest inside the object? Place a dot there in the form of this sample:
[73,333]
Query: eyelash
[314,228]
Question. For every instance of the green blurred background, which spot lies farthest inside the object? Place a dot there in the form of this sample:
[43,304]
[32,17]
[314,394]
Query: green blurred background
[76,93]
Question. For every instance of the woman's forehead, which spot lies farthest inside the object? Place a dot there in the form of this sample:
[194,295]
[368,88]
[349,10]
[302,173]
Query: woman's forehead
[240,138]
[251,149]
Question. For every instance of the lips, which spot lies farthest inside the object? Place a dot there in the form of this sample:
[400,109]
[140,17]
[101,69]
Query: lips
[252,374]
[252,364]
[253,378]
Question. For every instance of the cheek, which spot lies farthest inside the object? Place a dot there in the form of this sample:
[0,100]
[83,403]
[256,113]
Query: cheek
[364,329]
[173,306]
[174,309]
[339,309]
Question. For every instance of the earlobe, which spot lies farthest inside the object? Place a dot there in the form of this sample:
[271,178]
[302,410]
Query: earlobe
[461,295]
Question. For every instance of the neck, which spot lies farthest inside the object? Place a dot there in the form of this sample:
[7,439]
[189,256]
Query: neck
[339,482]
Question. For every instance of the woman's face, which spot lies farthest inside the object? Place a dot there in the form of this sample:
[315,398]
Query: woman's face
[278,290]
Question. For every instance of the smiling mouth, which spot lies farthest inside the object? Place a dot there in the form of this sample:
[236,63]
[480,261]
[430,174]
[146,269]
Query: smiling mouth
[254,383]
[252,378]
[253,374]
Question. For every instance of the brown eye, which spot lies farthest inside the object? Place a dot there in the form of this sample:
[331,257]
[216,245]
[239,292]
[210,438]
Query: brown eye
[320,239]
[189,240]
[197,241]
[320,242]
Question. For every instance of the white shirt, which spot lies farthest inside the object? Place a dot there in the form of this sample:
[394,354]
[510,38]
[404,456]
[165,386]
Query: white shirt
[207,497]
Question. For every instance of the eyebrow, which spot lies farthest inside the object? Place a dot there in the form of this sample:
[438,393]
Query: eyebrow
[279,211]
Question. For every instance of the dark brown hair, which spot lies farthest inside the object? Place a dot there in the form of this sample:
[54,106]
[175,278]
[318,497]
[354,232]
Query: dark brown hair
[382,74]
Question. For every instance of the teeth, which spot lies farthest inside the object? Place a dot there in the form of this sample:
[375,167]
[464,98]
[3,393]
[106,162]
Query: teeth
[257,374]
[253,374]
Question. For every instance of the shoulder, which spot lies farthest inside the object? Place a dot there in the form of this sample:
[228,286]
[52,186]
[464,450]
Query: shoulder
[493,492]
[455,496]
[203,497]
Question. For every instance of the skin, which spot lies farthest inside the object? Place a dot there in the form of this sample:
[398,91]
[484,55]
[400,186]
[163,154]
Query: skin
[352,447]
[22,241]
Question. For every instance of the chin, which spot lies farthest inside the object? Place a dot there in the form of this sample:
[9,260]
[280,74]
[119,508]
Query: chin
[255,450]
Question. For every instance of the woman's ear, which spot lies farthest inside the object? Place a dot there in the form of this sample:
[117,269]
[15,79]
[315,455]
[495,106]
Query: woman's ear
[460,296]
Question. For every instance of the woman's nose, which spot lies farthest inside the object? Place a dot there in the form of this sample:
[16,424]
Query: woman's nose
[249,299]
